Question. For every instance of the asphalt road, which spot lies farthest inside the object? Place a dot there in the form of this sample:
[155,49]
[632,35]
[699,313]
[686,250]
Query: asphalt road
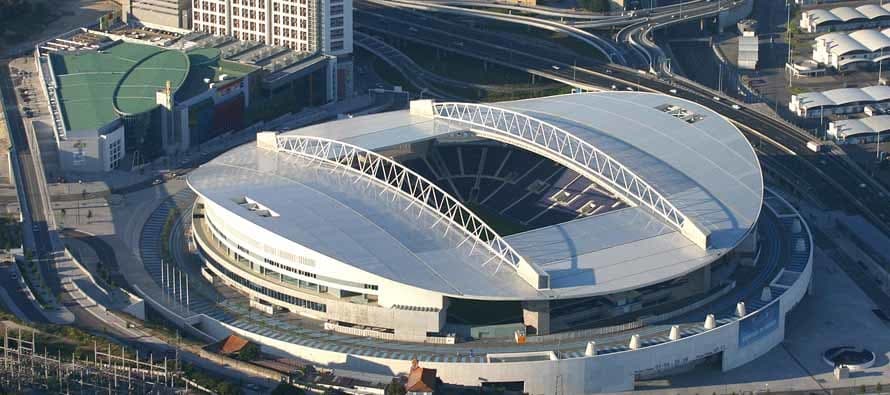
[22,151]
[18,296]
[27,170]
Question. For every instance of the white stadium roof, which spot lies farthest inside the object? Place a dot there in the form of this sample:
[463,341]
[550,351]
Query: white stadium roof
[843,96]
[706,168]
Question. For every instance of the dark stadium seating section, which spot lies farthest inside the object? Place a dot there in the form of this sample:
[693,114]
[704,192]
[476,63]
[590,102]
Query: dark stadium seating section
[518,185]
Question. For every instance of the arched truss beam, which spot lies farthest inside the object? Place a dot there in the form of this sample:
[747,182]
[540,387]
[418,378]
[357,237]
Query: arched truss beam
[402,180]
[551,141]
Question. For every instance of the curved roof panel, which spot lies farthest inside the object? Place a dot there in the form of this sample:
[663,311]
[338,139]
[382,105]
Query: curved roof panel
[91,84]
[862,126]
[871,39]
[867,12]
[847,14]
[847,95]
[873,11]
[705,165]
[843,96]
[877,92]
[841,43]
[821,16]
[879,123]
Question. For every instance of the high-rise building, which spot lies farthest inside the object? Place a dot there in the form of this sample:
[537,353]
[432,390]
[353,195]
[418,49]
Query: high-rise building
[303,25]
[323,26]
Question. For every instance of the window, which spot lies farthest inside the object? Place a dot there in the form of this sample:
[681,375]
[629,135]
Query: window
[293,300]
[336,45]
[337,9]
[336,33]
[337,22]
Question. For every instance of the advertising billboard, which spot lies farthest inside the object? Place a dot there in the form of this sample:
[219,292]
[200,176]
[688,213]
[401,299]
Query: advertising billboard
[758,325]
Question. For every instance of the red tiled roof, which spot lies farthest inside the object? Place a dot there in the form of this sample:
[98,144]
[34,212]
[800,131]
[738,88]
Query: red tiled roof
[233,344]
[421,380]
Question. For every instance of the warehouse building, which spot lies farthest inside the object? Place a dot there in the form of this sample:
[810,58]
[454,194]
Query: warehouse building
[838,101]
[843,51]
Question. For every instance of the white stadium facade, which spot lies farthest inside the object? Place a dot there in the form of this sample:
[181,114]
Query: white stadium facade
[568,244]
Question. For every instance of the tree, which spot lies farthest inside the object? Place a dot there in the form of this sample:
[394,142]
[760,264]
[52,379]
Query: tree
[250,352]
[228,388]
[287,389]
[394,387]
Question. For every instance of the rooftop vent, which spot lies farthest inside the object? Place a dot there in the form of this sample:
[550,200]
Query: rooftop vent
[680,112]
[255,207]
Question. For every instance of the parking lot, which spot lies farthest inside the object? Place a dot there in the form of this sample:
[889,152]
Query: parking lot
[35,110]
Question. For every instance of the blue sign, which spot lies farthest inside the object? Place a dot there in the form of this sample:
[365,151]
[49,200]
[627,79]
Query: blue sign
[758,325]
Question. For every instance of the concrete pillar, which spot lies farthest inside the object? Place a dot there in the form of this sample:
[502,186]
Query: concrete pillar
[591,349]
[710,322]
[267,140]
[675,332]
[740,310]
[536,315]
[634,342]
[746,249]
[766,295]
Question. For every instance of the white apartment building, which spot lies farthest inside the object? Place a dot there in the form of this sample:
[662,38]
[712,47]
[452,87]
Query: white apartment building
[304,25]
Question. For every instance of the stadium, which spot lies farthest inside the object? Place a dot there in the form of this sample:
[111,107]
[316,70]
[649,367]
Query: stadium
[514,245]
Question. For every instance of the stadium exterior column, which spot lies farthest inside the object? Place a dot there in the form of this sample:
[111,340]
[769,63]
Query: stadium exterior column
[747,249]
[536,314]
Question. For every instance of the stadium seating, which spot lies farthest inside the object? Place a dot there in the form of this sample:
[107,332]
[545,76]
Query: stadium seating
[535,192]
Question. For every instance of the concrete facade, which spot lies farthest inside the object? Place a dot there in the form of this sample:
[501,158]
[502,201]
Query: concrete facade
[316,26]
[171,13]
[93,150]
[408,313]
[733,344]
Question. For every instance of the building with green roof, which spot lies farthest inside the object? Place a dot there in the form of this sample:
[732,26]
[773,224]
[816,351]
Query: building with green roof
[123,98]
